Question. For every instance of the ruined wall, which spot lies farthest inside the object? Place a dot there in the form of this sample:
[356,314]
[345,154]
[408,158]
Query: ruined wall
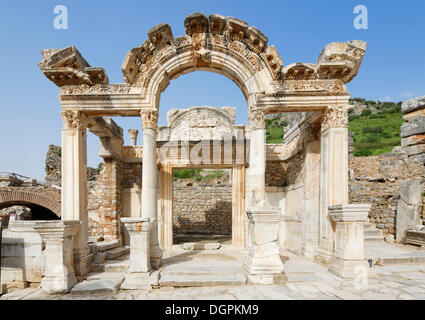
[202,208]
[104,202]
[53,166]
[275,173]
[376,180]
[413,129]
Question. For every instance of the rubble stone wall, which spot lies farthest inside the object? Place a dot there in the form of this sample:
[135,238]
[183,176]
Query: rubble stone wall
[413,129]
[202,209]
[376,180]
[104,202]
[54,164]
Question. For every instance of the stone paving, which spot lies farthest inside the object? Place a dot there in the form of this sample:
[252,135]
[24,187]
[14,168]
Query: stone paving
[307,280]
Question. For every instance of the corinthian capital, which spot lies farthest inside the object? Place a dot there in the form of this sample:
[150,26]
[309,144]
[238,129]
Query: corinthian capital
[335,117]
[72,119]
[257,119]
[149,119]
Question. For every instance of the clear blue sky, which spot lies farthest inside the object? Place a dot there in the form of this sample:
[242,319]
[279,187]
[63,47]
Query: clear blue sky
[103,31]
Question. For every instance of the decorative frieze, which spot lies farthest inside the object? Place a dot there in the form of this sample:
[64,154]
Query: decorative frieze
[100,89]
[307,87]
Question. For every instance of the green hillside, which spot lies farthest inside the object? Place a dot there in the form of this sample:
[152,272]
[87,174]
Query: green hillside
[376,129]
[377,133]
[275,129]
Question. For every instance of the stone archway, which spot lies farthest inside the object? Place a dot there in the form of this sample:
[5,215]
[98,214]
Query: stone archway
[8,198]
[225,45]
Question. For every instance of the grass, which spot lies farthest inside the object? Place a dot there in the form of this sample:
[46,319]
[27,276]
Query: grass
[376,134]
[275,129]
[195,174]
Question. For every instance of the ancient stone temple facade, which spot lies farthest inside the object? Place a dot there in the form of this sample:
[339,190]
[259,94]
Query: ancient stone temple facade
[308,214]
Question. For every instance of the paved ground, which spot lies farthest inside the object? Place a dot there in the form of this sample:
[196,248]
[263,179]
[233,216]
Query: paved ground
[307,280]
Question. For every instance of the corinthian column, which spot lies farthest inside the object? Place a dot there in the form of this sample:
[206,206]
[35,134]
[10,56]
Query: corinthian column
[74,184]
[257,158]
[149,181]
[333,175]
[133,136]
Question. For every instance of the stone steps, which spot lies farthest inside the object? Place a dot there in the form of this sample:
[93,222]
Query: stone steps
[103,275]
[111,266]
[372,234]
[201,275]
[98,286]
[117,253]
[374,238]
[105,246]
[206,280]
[369,226]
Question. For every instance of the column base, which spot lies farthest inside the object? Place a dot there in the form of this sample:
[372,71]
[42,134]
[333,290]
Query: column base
[53,285]
[3,288]
[266,265]
[155,257]
[309,251]
[348,269]
[82,260]
[140,280]
[323,256]
[267,279]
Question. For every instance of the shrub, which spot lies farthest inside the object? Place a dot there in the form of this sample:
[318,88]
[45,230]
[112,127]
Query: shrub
[374,130]
[377,130]
[362,153]
[388,104]
[371,139]
[386,135]
[366,112]
[186,174]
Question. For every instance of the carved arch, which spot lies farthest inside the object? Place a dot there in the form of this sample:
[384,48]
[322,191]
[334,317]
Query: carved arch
[217,44]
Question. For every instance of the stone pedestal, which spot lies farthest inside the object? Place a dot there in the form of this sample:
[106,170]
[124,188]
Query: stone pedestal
[140,274]
[348,260]
[58,270]
[264,263]
[408,207]
[82,260]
